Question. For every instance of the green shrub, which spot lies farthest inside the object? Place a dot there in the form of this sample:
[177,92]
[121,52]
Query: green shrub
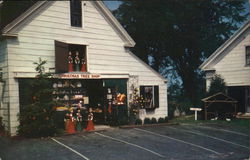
[138,121]
[1,124]
[123,120]
[171,108]
[147,121]
[161,120]
[153,121]
[166,119]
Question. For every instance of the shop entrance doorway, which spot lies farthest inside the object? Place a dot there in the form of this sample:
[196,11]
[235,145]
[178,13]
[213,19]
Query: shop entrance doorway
[96,100]
[107,98]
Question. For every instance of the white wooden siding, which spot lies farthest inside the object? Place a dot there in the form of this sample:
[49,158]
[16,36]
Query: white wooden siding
[106,52]
[233,67]
[4,110]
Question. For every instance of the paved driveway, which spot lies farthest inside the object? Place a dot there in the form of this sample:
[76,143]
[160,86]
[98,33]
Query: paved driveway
[175,142]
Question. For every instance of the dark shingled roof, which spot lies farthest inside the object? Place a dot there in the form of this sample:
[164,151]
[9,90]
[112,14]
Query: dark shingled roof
[10,10]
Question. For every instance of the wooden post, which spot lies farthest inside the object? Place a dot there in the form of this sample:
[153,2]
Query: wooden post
[195,110]
[205,111]
[235,109]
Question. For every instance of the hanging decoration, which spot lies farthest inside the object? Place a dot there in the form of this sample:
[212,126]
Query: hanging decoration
[70,63]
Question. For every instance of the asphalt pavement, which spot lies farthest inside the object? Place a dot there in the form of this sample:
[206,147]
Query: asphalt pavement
[170,142]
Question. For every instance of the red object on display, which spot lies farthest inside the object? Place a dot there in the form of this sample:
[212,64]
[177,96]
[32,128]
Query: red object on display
[71,128]
[70,63]
[110,108]
[84,68]
[90,126]
[71,125]
[70,67]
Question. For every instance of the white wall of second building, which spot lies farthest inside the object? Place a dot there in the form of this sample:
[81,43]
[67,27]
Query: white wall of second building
[232,67]
[106,52]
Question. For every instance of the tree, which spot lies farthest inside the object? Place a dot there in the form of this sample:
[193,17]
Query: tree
[217,85]
[37,114]
[180,34]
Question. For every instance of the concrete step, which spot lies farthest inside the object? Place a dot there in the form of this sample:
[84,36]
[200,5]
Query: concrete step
[244,116]
[102,127]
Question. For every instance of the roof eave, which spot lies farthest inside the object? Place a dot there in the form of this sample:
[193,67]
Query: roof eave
[12,35]
[129,42]
[224,46]
[8,28]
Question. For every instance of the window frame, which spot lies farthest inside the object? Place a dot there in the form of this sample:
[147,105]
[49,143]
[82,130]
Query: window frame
[62,52]
[81,14]
[247,53]
[155,97]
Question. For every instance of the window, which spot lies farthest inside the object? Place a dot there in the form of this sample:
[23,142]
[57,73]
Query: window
[248,98]
[248,55]
[150,96]
[70,57]
[76,13]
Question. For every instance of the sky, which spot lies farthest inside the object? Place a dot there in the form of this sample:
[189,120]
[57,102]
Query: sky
[112,5]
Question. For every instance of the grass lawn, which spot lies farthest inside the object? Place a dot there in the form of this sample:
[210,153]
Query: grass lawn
[242,123]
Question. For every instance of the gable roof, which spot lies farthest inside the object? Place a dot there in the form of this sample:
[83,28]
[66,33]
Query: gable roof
[10,10]
[219,51]
[18,16]
[13,19]
[219,97]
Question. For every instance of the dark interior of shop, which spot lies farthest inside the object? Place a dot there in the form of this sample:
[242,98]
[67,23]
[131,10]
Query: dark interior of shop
[91,93]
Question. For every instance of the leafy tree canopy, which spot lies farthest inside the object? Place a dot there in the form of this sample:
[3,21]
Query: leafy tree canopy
[179,34]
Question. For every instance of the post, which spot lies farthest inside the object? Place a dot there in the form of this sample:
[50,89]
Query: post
[205,112]
[195,115]
[235,109]
[195,111]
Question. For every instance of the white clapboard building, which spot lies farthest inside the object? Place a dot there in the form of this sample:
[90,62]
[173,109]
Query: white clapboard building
[102,65]
[232,61]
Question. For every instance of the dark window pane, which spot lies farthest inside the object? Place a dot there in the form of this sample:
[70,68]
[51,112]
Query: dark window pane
[81,49]
[70,57]
[76,13]
[156,96]
[248,55]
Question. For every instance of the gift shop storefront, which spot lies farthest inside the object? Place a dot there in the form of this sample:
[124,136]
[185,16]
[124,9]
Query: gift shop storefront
[95,76]
[80,95]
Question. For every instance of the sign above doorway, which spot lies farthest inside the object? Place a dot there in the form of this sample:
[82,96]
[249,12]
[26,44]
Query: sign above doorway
[77,76]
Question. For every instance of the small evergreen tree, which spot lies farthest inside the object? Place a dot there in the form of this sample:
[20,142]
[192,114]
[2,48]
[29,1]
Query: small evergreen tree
[161,120]
[138,121]
[147,121]
[153,121]
[37,118]
[217,85]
